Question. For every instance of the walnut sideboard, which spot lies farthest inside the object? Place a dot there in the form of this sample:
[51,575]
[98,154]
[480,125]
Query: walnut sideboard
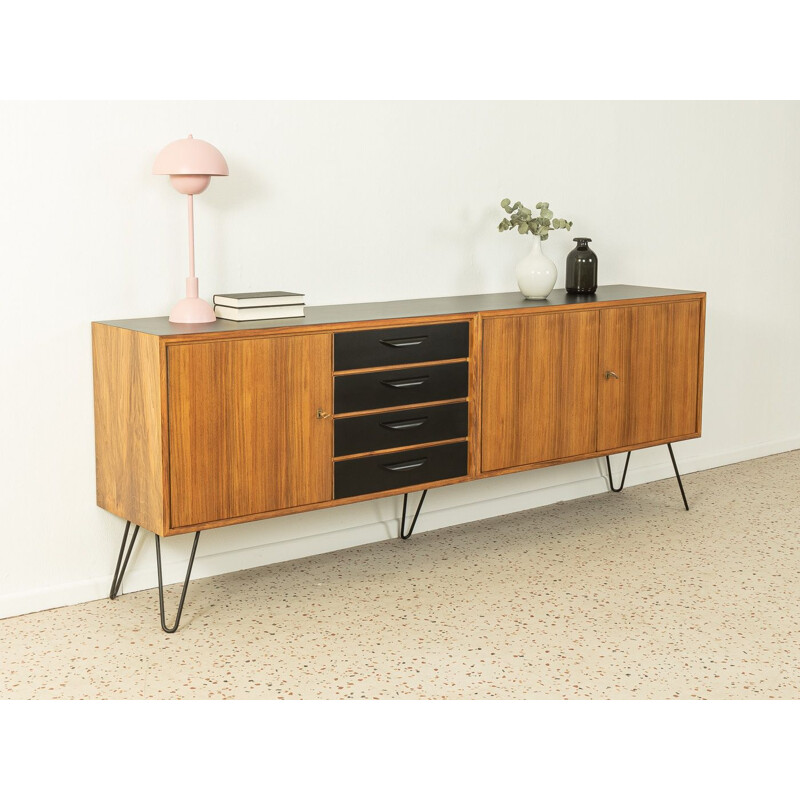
[203,426]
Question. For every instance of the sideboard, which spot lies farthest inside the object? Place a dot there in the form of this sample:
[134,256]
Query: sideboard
[203,426]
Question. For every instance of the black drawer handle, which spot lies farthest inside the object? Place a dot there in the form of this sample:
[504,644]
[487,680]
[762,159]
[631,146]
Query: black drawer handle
[404,465]
[406,383]
[401,425]
[404,342]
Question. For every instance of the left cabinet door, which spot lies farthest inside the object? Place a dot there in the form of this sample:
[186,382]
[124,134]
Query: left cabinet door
[244,437]
[539,400]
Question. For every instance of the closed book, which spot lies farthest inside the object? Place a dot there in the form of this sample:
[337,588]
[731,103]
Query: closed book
[259,312]
[251,299]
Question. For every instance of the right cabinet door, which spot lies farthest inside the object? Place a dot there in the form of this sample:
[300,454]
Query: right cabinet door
[649,359]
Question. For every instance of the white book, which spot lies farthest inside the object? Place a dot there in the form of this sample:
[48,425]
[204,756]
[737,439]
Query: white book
[259,312]
[251,299]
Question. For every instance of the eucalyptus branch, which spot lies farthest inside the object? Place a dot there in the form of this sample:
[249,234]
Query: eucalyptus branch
[522,219]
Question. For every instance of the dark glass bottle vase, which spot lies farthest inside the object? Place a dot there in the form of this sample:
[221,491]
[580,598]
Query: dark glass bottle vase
[581,269]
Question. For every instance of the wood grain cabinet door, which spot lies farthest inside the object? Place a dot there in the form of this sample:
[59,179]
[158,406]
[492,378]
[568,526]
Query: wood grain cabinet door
[648,373]
[539,389]
[244,437]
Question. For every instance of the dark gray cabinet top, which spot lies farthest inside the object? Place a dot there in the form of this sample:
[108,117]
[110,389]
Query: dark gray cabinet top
[400,309]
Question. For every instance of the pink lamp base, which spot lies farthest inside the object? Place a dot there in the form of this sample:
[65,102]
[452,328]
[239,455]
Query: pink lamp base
[192,310]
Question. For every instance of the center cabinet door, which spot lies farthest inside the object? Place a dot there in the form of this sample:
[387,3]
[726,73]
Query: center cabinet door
[539,396]
[244,437]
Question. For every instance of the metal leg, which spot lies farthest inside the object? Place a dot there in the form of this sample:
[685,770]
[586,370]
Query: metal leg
[116,581]
[403,534]
[161,585]
[624,473]
[678,476]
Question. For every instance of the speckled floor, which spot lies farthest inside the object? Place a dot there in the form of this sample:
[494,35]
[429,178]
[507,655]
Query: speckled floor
[611,596]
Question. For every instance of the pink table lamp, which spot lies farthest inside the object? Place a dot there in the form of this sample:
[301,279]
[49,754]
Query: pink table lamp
[190,163]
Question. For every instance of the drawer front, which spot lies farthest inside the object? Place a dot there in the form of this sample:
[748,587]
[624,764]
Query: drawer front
[390,346]
[358,476]
[400,387]
[399,429]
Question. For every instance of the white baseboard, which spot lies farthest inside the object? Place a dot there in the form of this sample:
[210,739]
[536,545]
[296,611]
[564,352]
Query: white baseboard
[431,518]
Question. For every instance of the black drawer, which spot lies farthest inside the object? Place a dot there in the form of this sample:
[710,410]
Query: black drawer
[400,387]
[389,346]
[395,470]
[399,429]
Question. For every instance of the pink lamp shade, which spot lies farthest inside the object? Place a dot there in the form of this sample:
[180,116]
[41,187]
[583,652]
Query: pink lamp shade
[190,163]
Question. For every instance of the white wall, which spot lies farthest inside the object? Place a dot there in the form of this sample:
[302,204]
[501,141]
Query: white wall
[356,202]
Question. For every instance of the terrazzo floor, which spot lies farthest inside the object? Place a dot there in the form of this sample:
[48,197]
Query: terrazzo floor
[610,596]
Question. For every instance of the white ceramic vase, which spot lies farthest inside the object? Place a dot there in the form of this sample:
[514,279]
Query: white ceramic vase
[536,273]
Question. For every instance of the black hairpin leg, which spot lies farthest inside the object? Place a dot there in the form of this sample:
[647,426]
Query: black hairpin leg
[624,473]
[161,585]
[403,534]
[116,581]
[678,476]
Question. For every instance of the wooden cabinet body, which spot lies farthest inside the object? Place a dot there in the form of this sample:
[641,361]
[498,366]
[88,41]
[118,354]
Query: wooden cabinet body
[204,426]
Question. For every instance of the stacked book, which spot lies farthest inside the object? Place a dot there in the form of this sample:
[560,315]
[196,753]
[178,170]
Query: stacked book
[249,306]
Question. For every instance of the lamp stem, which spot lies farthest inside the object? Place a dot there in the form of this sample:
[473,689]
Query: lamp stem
[191,236]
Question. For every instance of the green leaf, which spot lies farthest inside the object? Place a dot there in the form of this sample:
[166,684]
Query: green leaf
[547,213]
[523,227]
[505,203]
